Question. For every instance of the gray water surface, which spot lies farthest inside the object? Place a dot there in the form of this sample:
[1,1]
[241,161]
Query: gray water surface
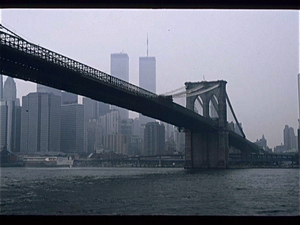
[149,191]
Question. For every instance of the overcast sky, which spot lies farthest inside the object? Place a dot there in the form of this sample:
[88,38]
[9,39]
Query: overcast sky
[256,52]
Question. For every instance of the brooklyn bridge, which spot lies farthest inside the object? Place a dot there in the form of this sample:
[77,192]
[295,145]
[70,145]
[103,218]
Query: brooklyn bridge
[208,136]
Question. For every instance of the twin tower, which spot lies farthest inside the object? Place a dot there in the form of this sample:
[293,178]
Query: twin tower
[119,67]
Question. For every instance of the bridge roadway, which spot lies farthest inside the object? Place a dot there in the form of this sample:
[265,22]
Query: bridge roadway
[29,62]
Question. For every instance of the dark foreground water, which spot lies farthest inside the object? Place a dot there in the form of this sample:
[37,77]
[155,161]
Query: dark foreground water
[149,191]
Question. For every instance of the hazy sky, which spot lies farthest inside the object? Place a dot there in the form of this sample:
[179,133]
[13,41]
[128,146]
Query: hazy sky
[256,52]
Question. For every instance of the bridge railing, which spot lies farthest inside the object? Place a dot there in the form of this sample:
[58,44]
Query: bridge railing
[20,44]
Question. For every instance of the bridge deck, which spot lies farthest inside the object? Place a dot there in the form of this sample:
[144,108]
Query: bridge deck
[27,61]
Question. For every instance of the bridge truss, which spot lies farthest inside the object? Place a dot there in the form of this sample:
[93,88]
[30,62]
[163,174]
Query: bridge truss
[10,39]
[24,60]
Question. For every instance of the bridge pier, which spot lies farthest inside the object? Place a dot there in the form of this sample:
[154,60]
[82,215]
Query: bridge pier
[206,149]
[209,147]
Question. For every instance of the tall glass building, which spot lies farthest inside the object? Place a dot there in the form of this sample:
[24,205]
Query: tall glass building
[10,116]
[40,123]
[119,68]
[72,128]
[1,86]
[147,80]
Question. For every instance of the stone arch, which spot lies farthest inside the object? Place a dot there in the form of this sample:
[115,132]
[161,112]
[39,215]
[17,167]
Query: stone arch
[198,105]
[213,106]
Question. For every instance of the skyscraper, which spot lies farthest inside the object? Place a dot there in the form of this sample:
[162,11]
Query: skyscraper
[9,90]
[154,139]
[1,86]
[40,123]
[147,80]
[72,128]
[68,98]
[94,109]
[298,132]
[10,122]
[289,138]
[10,117]
[45,89]
[119,68]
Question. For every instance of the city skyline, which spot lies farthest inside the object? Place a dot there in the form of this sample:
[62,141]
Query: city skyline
[256,52]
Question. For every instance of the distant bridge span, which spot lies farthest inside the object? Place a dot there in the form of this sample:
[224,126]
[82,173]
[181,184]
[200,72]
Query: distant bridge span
[30,62]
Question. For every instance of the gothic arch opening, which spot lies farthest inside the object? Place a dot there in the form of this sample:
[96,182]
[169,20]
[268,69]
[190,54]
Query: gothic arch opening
[213,107]
[198,106]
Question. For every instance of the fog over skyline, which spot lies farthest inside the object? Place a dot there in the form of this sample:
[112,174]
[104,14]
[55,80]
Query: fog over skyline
[255,51]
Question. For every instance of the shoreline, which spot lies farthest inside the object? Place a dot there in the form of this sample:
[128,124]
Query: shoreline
[130,166]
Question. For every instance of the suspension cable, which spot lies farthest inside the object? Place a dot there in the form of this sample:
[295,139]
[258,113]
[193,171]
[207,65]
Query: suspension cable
[244,136]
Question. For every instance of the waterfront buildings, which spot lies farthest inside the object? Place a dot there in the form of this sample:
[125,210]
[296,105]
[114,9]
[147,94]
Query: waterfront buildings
[45,89]
[289,138]
[10,121]
[9,90]
[179,138]
[126,126]
[298,131]
[10,116]
[154,139]
[72,128]
[68,98]
[40,123]
[262,142]
[289,141]
[93,110]
[1,86]
[119,68]
[280,149]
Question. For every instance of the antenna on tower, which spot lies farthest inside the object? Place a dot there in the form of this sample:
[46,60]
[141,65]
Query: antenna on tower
[147,44]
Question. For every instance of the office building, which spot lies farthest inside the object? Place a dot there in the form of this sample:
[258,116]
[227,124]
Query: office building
[280,149]
[119,68]
[147,80]
[10,117]
[68,98]
[289,138]
[94,109]
[72,128]
[154,139]
[1,86]
[262,142]
[40,123]
[9,90]
[3,124]
[136,127]
[113,122]
[179,138]
[126,127]
[10,125]
[45,89]
[118,143]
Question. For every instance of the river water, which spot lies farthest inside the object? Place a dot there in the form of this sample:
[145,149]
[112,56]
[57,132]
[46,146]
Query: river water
[149,191]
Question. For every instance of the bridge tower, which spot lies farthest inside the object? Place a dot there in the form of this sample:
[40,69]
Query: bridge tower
[207,147]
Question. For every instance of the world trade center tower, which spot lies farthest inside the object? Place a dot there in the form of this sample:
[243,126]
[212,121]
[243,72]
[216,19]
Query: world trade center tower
[147,80]
[119,68]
